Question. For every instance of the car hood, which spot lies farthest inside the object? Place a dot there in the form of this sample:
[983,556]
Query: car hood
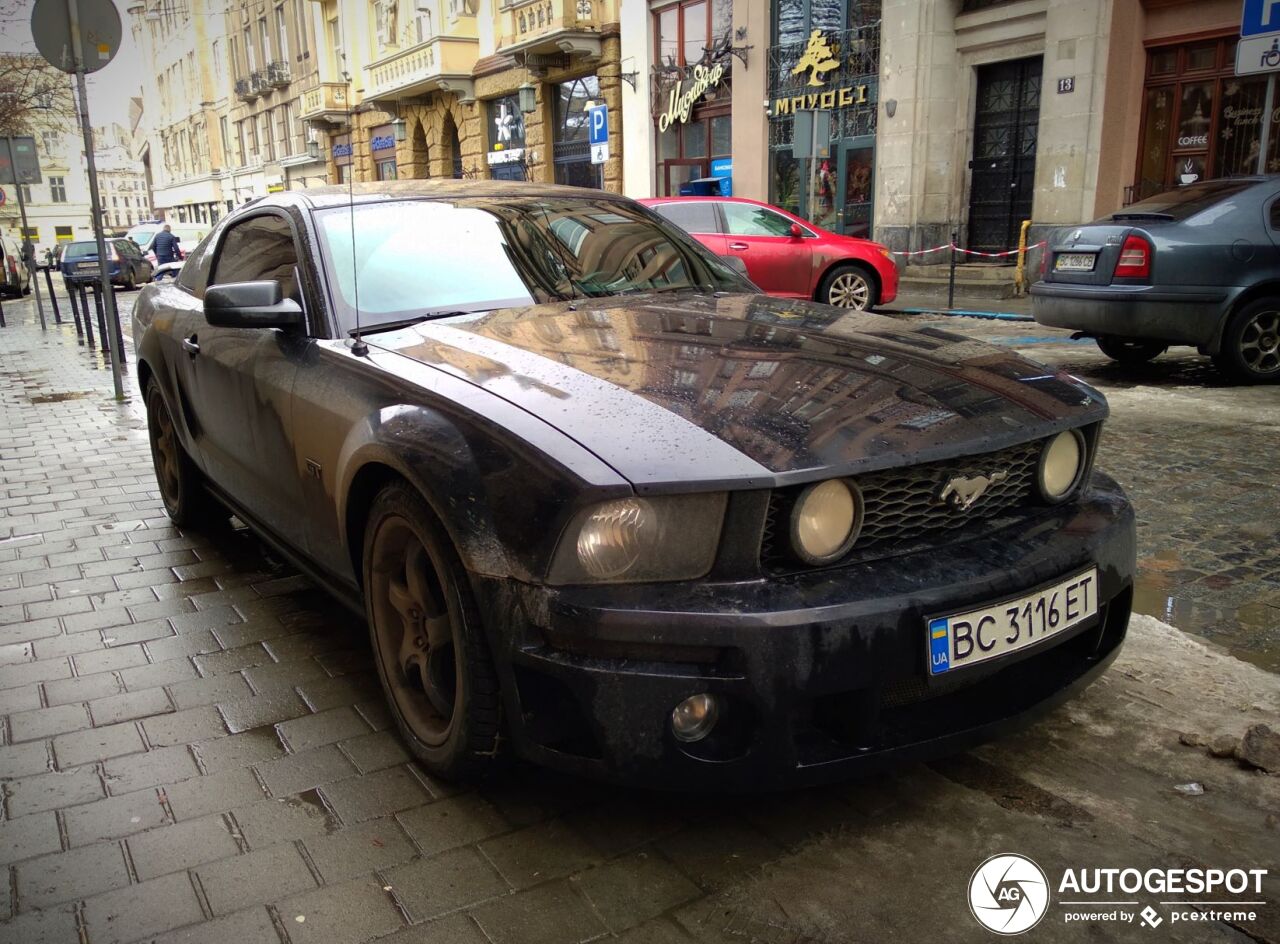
[748,390]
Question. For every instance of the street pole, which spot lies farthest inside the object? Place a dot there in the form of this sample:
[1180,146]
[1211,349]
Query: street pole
[104,272]
[22,212]
[1267,106]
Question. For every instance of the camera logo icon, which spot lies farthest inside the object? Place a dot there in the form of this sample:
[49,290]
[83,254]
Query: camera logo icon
[1008,894]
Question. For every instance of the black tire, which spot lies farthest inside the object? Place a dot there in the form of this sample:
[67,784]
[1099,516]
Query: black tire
[1129,350]
[181,486]
[427,639]
[1251,343]
[849,285]
[130,282]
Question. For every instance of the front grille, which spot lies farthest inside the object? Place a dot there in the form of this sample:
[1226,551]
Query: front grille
[901,505]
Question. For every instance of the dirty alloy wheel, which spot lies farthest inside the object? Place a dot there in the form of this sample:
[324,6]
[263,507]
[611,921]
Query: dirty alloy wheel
[427,639]
[848,286]
[181,487]
[1251,344]
[1129,350]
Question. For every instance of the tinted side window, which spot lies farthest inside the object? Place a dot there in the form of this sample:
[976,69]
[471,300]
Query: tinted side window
[692,217]
[1275,213]
[259,248]
[743,219]
[194,275]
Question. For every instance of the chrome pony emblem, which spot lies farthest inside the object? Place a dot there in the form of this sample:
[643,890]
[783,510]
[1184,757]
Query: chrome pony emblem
[963,491]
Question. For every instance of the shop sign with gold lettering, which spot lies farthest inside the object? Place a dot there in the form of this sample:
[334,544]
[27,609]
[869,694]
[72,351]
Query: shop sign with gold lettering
[818,59]
[682,97]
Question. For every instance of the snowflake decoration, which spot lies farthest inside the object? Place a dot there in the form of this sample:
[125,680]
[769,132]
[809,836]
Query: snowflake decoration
[1226,134]
[1233,88]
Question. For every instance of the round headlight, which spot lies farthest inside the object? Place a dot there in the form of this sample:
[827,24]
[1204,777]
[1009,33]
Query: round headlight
[615,536]
[825,521]
[693,718]
[1061,463]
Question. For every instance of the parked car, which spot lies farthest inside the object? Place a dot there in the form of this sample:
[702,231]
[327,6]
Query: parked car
[15,277]
[189,234]
[607,508]
[128,268]
[1199,265]
[785,255]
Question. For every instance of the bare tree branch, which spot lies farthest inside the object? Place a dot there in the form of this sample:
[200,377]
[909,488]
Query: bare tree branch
[33,95]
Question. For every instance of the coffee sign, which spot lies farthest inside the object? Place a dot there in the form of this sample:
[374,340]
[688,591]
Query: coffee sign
[682,98]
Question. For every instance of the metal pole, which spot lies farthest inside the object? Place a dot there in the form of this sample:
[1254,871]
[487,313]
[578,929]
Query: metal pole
[84,313]
[1267,105]
[951,278]
[22,212]
[95,205]
[53,298]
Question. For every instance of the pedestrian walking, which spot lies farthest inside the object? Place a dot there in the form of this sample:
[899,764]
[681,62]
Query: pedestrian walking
[166,246]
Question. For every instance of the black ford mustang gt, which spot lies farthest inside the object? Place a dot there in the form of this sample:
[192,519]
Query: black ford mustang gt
[604,505]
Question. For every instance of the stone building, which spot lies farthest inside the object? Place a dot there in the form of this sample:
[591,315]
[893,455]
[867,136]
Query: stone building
[456,88]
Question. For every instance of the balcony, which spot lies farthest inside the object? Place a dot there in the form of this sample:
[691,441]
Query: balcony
[245,90]
[442,62]
[326,102]
[258,83]
[542,28]
[278,74]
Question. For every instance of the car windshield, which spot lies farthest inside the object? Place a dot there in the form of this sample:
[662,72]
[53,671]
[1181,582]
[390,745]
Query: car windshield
[422,257]
[142,237]
[1185,201]
[80,250]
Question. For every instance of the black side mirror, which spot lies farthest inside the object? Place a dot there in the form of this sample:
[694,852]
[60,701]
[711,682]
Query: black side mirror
[250,305]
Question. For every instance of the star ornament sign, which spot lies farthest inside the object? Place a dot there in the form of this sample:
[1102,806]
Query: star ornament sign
[1008,894]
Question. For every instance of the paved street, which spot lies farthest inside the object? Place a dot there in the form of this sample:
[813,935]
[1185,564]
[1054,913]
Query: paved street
[194,746]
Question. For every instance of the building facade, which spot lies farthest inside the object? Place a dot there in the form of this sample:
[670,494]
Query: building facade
[122,186]
[456,88]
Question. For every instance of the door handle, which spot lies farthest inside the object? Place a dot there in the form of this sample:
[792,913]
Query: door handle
[738,247]
[189,345]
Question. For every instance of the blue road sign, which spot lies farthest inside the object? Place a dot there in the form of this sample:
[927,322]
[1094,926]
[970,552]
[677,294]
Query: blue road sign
[598,123]
[1260,16]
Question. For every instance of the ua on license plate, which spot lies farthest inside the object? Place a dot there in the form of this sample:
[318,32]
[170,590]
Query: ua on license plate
[1074,262]
[957,642]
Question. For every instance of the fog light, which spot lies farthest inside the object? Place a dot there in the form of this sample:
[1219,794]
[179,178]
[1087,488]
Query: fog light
[693,718]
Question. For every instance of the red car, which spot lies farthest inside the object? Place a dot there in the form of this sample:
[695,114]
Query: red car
[784,254]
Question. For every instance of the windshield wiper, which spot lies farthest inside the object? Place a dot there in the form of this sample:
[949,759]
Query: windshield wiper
[407,322]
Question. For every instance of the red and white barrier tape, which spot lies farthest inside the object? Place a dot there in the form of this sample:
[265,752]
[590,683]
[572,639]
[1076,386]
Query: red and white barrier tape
[972,252]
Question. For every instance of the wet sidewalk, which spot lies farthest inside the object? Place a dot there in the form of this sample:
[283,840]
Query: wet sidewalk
[193,748]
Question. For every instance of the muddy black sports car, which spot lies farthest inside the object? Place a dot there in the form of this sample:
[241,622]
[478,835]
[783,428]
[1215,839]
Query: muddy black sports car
[606,508]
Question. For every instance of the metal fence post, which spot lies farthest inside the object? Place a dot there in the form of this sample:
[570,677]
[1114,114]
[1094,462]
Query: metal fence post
[2,324]
[951,276]
[75,309]
[53,299]
[102,318]
[84,309]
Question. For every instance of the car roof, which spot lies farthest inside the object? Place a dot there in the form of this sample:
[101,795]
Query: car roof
[335,195]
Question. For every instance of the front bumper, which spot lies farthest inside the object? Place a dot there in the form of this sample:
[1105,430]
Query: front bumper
[1194,316]
[824,673]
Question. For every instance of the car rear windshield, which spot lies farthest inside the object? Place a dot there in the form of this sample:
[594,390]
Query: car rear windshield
[80,250]
[1184,202]
[423,257]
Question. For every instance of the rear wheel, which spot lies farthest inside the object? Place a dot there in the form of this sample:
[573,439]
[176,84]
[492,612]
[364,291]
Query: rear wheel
[1251,344]
[181,489]
[427,640]
[130,282]
[848,285]
[1130,350]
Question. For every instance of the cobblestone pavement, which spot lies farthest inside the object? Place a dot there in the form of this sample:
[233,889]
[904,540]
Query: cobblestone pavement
[1200,458]
[194,747]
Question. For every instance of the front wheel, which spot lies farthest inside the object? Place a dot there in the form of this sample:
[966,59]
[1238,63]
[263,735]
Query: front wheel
[181,491]
[1251,343]
[848,286]
[427,641]
[1129,350]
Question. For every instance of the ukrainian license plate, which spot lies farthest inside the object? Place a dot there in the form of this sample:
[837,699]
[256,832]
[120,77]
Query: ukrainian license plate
[976,636]
[1074,262]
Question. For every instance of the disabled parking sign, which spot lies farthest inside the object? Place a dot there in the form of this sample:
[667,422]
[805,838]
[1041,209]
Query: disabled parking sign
[598,133]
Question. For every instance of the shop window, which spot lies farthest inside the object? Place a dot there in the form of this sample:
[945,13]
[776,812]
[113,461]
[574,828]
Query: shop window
[687,33]
[1202,58]
[63,234]
[387,169]
[572,153]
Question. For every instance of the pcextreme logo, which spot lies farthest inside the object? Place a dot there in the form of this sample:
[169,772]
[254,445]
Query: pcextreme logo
[1010,894]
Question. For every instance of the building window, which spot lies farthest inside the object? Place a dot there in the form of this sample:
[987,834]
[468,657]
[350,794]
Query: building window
[386,169]
[58,189]
[50,141]
[264,38]
[1199,120]
[572,152]
[249,58]
[282,34]
[344,173]
[289,139]
[688,32]
[264,137]
[26,192]
[64,234]
[226,141]
[300,15]
[422,24]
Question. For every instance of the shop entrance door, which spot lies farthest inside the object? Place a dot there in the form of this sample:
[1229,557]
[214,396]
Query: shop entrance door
[1004,152]
[855,186]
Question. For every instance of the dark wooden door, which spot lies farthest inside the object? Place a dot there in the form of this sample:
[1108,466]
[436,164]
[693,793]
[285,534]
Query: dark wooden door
[1004,152]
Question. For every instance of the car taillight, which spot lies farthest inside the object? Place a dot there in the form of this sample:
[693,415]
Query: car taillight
[1135,259]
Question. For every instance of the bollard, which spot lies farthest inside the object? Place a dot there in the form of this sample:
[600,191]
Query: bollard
[113,314]
[53,299]
[2,324]
[951,277]
[102,318]
[84,311]
[75,311]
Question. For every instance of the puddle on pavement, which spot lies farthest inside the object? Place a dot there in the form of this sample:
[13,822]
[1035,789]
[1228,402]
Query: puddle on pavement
[61,397]
[312,804]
